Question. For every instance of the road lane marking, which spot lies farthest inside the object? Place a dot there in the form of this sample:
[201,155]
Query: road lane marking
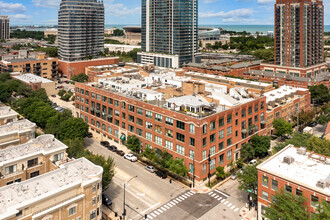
[157,213]
[178,199]
[169,204]
[236,209]
[213,195]
[222,193]
[216,197]
[153,214]
[193,192]
[219,198]
[159,210]
[184,196]
[187,195]
[229,205]
[232,207]
[225,202]
[149,217]
[176,202]
[163,209]
[155,205]
[166,206]
[210,193]
[173,203]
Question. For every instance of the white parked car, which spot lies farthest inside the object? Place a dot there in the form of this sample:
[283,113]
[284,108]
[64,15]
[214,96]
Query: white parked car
[252,162]
[130,157]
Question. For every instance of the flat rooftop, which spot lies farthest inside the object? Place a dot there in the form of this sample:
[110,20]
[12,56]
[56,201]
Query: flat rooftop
[16,196]
[281,93]
[16,126]
[44,144]
[306,169]
[31,78]
[6,111]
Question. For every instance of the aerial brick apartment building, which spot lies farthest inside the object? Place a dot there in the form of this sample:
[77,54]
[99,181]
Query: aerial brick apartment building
[295,171]
[189,119]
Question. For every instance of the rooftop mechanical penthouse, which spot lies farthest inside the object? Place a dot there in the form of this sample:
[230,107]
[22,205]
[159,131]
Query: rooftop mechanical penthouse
[190,119]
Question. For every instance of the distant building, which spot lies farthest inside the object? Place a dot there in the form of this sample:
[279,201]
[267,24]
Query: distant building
[169,29]
[295,171]
[299,27]
[73,191]
[133,33]
[4,27]
[7,115]
[121,47]
[52,31]
[205,33]
[17,132]
[80,29]
[36,82]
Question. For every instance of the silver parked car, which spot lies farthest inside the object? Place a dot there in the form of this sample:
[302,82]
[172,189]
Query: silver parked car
[150,169]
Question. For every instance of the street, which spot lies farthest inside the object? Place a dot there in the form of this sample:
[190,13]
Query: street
[160,199]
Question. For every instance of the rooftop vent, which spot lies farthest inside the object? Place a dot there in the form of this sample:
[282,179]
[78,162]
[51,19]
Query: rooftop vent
[321,184]
[288,159]
[301,151]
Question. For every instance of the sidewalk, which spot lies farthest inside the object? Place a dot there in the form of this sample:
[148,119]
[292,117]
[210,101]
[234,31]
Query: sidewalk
[248,215]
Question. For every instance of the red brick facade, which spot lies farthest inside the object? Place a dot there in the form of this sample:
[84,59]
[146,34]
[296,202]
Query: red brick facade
[223,136]
[69,69]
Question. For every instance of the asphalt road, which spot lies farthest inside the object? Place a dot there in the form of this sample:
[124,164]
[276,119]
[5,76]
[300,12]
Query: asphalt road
[144,193]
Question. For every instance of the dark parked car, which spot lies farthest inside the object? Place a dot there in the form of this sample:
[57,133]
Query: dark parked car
[313,124]
[113,148]
[161,174]
[105,143]
[106,200]
[89,135]
[120,152]
[54,96]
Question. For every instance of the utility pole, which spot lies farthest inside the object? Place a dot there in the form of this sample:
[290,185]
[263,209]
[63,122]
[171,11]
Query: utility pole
[124,205]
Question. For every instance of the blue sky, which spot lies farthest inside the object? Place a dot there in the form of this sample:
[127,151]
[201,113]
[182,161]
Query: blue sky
[222,12]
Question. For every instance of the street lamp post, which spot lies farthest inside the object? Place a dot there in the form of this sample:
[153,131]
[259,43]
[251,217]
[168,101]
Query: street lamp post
[193,157]
[124,205]
[209,159]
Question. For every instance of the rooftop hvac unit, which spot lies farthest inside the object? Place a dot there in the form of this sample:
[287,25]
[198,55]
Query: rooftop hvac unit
[288,159]
[301,150]
[321,184]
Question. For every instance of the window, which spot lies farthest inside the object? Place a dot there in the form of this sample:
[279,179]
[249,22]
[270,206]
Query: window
[299,192]
[192,129]
[256,119]
[116,133]
[180,125]
[243,113]
[139,132]
[148,114]
[139,111]
[191,154]
[314,201]
[98,97]
[204,154]
[169,121]
[262,105]
[250,110]
[221,146]
[229,130]
[192,141]
[221,134]
[94,201]
[131,128]
[123,125]
[158,117]
[169,133]
[123,115]
[204,142]
[58,157]
[288,189]
[34,174]
[87,93]
[158,129]
[117,103]
[11,169]
[212,138]
[212,125]
[110,101]
[212,150]
[123,104]
[110,130]
[229,142]
[168,144]
[104,99]
[204,168]
[93,95]
[221,122]
[204,129]
[264,181]
[72,210]
[274,185]
[131,108]
[148,136]
[117,113]
[148,125]
[33,162]
[229,119]
[212,164]
[264,195]
[180,137]
[139,121]
[256,108]
[104,127]
[191,167]
[221,160]
[158,140]
[92,214]
[179,149]
[229,155]
[131,118]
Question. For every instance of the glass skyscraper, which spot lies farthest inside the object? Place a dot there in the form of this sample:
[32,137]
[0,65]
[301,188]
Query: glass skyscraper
[80,29]
[170,27]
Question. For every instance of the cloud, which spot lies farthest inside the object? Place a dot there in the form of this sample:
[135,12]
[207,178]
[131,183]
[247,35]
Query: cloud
[238,13]
[12,7]
[20,18]
[266,1]
[118,9]
[47,3]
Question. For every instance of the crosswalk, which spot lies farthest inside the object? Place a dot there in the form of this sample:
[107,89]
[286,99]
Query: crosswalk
[222,198]
[170,204]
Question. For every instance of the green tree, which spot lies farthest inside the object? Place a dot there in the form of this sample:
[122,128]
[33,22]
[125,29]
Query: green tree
[261,145]
[282,127]
[248,179]
[118,32]
[319,94]
[72,128]
[76,147]
[53,122]
[80,78]
[220,172]
[319,146]
[5,92]
[323,119]
[322,211]
[61,92]
[286,206]
[66,97]
[177,166]
[200,44]
[133,143]
[305,118]
[39,112]
[247,152]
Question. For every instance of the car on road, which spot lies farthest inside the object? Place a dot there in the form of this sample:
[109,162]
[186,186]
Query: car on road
[89,135]
[54,96]
[234,175]
[150,169]
[120,152]
[106,200]
[313,124]
[113,148]
[130,157]
[105,143]
[252,162]
[161,174]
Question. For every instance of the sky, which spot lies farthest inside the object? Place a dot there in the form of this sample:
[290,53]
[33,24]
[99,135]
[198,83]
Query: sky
[214,12]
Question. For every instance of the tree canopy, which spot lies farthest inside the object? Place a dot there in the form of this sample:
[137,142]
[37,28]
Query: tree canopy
[319,94]
[248,179]
[80,78]
[261,145]
[282,127]
[133,143]
[72,128]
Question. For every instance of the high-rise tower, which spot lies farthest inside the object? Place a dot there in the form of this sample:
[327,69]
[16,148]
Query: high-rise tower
[169,32]
[4,27]
[80,29]
[299,32]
